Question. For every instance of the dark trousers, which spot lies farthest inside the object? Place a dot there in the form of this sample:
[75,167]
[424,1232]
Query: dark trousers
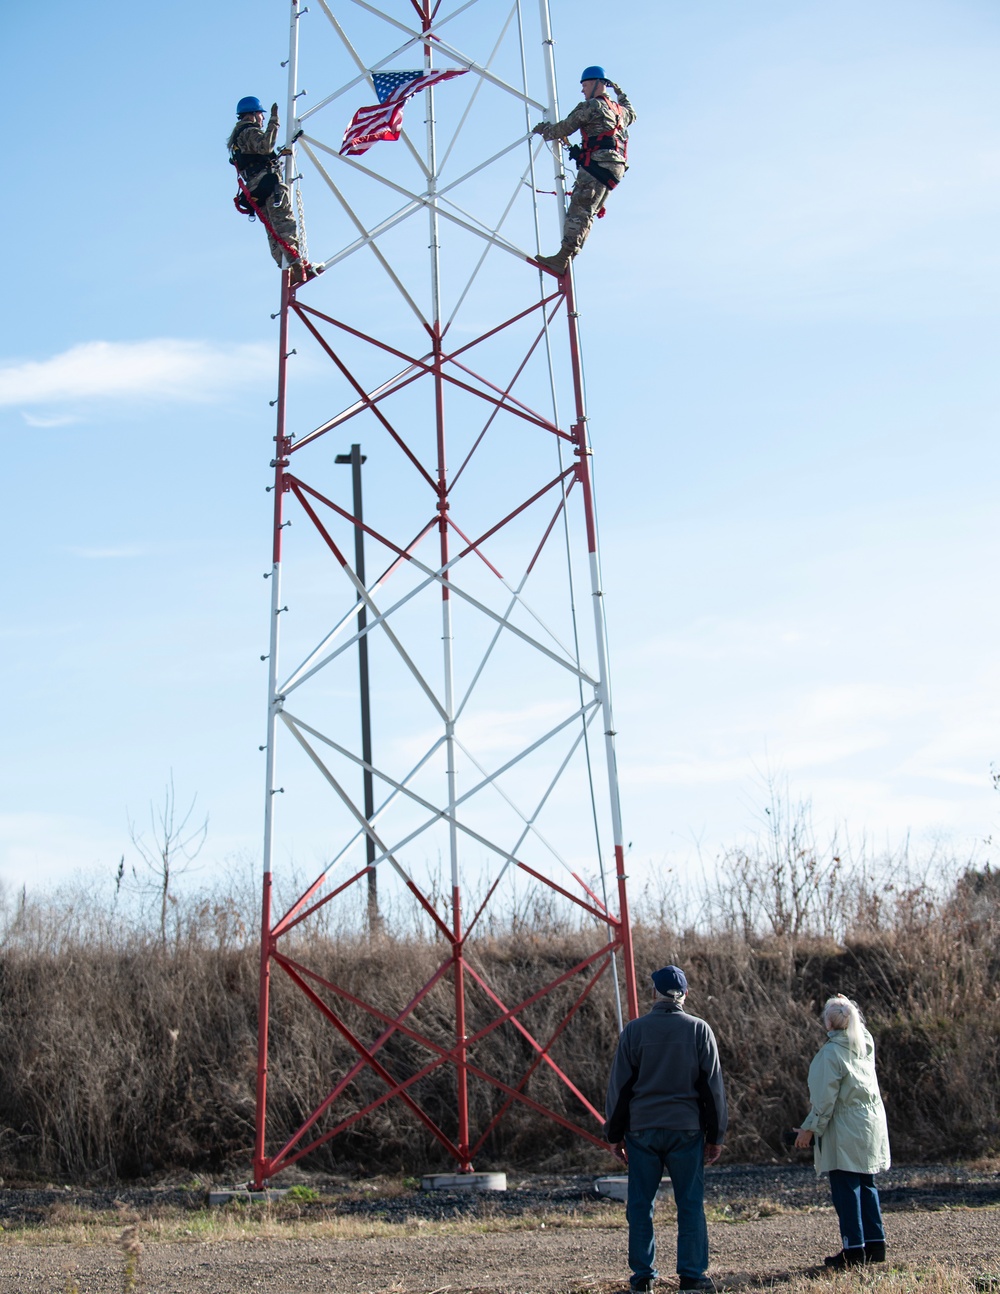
[682,1155]
[856,1201]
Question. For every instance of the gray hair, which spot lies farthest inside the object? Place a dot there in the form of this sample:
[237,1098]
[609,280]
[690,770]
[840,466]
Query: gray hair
[841,1013]
[675,996]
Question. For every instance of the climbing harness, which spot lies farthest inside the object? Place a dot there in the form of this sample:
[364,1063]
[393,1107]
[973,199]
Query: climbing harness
[260,170]
[250,166]
[613,140]
[246,199]
[268,186]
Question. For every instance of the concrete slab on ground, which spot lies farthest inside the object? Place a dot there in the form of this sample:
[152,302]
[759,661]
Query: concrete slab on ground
[464,1182]
[616,1188]
[224,1194]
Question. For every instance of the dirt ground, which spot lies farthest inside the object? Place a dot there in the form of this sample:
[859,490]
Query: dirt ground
[929,1218]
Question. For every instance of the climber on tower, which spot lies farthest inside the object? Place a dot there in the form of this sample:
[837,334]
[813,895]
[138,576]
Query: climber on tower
[601,158]
[262,191]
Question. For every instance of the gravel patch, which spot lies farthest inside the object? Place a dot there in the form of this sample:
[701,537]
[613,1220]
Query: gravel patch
[738,1191]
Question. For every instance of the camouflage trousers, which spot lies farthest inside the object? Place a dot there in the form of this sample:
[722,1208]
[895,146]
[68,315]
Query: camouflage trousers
[277,209]
[585,202]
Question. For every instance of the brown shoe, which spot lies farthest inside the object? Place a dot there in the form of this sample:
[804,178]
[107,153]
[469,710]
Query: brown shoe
[557,265]
[300,272]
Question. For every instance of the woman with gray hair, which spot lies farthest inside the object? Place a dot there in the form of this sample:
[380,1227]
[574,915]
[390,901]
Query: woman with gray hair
[851,1137]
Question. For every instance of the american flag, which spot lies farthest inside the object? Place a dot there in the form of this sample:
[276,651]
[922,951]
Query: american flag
[385,119]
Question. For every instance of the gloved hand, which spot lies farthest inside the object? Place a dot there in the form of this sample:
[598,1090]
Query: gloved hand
[615,86]
[539,129]
[274,112]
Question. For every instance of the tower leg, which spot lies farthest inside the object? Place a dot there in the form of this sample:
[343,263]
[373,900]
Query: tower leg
[263,1005]
[583,453]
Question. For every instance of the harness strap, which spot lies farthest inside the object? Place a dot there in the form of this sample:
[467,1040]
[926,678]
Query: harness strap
[600,173]
[293,253]
[616,137]
[251,163]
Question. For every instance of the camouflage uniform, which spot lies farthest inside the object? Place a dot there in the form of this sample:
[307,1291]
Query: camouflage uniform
[591,117]
[276,208]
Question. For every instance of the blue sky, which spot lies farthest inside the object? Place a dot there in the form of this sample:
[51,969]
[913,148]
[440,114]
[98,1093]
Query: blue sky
[790,315]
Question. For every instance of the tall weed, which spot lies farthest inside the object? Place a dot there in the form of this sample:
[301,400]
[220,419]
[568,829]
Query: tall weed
[125,1053]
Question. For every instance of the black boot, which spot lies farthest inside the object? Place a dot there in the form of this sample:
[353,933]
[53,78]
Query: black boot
[874,1251]
[846,1258]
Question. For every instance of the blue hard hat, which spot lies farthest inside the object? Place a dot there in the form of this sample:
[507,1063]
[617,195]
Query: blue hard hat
[249,104]
[593,74]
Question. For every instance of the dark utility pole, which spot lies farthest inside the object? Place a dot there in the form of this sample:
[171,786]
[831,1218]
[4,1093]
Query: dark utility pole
[356,458]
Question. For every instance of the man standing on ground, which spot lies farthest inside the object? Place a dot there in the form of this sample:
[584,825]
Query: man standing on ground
[601,158]
[666,1110]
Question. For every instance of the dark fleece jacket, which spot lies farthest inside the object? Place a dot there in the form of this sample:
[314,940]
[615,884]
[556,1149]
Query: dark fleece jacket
[666,1074]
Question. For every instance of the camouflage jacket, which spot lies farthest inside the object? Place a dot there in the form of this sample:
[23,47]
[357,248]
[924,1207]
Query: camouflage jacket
[593,117]
[248,137]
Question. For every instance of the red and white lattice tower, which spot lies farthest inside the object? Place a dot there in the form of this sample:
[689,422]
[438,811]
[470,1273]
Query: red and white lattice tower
[488,787]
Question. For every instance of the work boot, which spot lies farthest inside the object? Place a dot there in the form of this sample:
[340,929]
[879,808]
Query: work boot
[874,1251]
[300,272]
[558,264]
[846,1258]
[699,1283]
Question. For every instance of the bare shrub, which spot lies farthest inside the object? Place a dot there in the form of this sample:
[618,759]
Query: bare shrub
[120,1057]
[167,853]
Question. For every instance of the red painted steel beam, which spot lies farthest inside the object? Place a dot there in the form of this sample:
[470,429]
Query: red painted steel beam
[367,1055]
[560,1028]
[433,367]
[359,1065]
[376,1012]
[603,917]
[544,991]
[533,1042]
[263,1017]
[289,923]
[450,370]
[370,404]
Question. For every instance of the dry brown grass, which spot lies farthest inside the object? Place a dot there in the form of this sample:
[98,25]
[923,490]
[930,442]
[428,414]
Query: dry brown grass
[122,1057]
[934,1278]
[283,1221]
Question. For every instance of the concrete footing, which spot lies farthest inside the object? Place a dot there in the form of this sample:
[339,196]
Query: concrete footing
[464,1182]
[224,1194]
[616,1188]
[611,1188]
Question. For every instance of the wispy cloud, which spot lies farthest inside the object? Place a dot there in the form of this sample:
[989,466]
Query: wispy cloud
[164,368]
[49,420]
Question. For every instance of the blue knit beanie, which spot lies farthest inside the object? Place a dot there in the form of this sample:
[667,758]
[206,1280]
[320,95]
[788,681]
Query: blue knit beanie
[671,979]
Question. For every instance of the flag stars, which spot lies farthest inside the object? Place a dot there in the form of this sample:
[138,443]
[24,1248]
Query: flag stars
[384,120]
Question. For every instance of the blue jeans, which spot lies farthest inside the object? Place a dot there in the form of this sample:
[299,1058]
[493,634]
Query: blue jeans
[682,1155]
[856,1201]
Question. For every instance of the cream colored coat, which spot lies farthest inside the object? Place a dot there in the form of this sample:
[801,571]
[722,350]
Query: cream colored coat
[847,1118]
